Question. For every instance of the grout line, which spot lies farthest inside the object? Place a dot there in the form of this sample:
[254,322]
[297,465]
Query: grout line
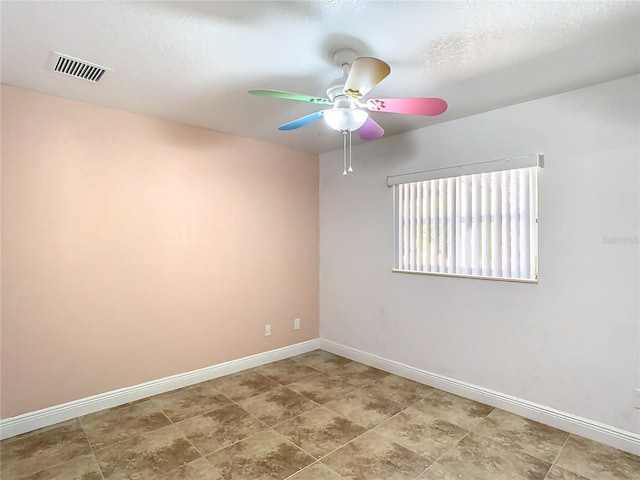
[557,456]
[468,430]
[171,423]
[47,467]
[519,449]
[183,434]
[318,459]
[132,436]
[84,433]
[233,402]
[267,427]
[272,427]
[446,452]
[93,452]
[317,462]
[368,430]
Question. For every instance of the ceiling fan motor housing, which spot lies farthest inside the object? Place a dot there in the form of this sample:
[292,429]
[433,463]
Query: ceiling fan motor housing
[335,88]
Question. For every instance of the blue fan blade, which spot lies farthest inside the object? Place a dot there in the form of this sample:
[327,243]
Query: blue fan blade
[301,122]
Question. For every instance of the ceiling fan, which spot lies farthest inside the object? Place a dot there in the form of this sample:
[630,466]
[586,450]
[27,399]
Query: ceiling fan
[349,113]
[360,75]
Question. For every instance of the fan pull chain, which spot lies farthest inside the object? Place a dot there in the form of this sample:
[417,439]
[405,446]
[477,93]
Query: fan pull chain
[344,156]
[350,169]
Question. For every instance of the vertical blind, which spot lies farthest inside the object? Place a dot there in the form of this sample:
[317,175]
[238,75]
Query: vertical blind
[482,224]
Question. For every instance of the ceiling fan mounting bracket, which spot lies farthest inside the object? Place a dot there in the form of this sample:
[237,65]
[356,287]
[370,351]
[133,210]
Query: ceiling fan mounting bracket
[344,56]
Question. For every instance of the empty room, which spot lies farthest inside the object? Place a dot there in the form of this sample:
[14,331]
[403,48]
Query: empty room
[320,240]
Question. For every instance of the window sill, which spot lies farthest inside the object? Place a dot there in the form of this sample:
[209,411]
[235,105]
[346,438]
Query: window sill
[475,277]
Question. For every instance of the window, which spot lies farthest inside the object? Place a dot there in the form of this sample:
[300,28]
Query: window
[478,220]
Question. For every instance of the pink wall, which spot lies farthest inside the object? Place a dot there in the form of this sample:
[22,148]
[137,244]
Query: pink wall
[136,248]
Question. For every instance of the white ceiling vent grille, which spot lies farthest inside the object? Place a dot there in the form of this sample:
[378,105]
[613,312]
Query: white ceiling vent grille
[74,67]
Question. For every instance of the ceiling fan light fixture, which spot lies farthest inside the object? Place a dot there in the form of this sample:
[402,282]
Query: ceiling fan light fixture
[345,119]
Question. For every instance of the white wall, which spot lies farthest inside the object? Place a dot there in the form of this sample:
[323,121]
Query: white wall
[572,342]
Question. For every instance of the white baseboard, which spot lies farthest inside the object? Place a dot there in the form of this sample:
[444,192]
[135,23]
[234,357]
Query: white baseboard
[27,422]
[624,440]
[615,437]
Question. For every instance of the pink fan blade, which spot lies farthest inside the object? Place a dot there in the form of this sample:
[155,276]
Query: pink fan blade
[412,106]
[370,130]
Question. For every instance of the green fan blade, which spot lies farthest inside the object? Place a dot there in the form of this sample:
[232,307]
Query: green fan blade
[290,96]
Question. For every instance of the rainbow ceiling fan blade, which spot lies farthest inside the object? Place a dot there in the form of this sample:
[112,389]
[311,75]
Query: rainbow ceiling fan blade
[365,73]
[410,106]
[290,96]
[370,130]
[301,122]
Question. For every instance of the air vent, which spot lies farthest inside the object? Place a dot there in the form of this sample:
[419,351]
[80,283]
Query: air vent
[74,67]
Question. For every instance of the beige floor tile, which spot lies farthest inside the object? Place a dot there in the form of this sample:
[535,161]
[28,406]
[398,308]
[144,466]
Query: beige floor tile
[598,462]
[557,473]
[479,458]
[265,456]
[35,451]
[372,457]
[320,431]
[453,409]
[321,360]
[358,374]
[146,456]
[322,388]
[80,468]
[365,408]
[199,469]
[220,428]
[241,385]
[401,390]
[317,471]
[286,371]
[421,433]
[120,423]
[277,405]
[190,401]
[514,431]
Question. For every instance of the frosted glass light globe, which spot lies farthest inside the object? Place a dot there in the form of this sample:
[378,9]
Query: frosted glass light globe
[345,118]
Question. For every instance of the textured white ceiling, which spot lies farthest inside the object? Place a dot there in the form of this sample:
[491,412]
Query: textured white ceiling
[193,62]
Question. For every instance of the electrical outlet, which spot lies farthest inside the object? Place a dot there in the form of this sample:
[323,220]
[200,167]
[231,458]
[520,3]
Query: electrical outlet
[636,398]
[296,324]
[267,330]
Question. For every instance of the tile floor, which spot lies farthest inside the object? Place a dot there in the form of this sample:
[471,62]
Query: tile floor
[311,417]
